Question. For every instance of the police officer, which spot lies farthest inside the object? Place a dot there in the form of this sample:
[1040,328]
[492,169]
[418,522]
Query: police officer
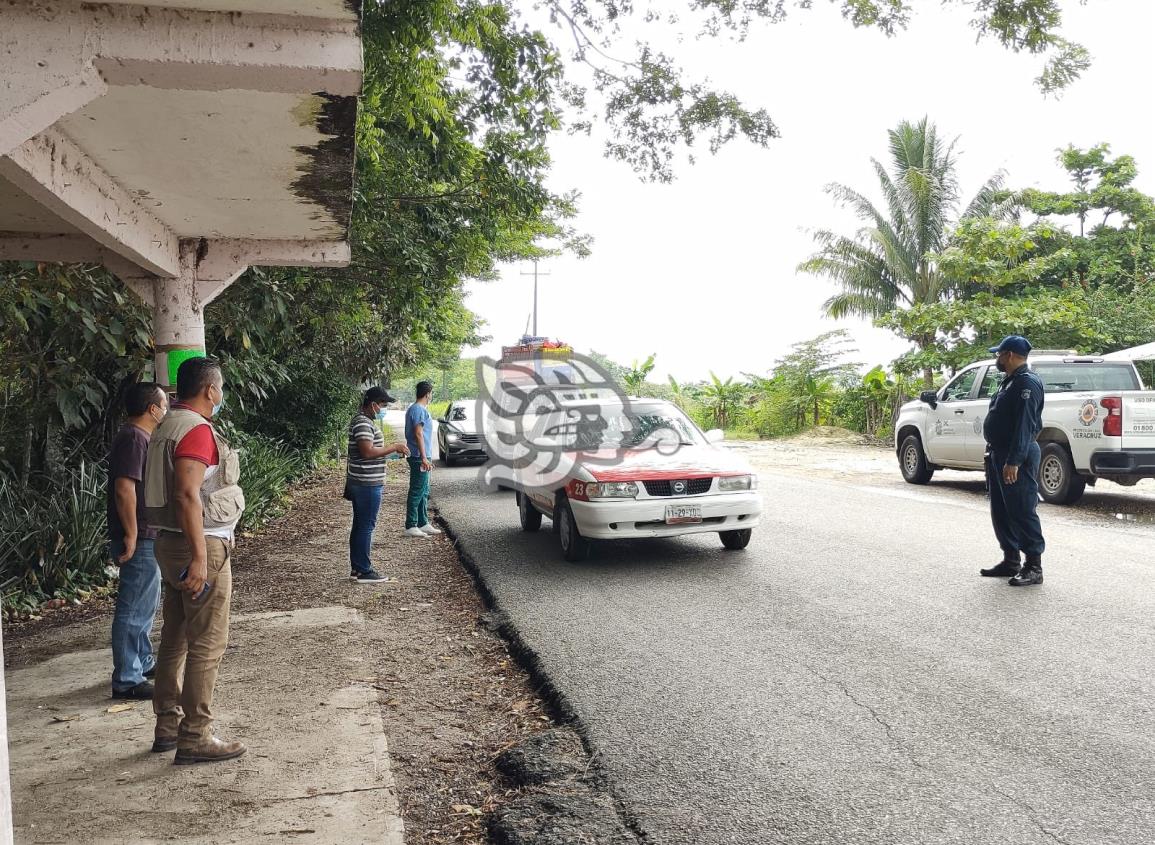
[1012,461]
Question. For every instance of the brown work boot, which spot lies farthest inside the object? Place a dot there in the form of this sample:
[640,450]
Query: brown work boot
[162,742]
[164,735]
[211,750]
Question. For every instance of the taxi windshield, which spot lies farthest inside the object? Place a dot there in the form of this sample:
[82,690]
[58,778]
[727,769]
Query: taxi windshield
[634,428]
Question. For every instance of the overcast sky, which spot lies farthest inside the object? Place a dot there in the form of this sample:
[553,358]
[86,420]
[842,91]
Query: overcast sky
[701,271]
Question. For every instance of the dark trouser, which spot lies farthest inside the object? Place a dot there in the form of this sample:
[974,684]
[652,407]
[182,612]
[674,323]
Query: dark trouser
[366,504]
[1014,507]
[417,505]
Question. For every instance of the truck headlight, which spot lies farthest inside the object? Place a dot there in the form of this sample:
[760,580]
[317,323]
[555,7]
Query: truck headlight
[734,483]
[612,490]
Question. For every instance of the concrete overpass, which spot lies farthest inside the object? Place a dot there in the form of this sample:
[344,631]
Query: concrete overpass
[176,142]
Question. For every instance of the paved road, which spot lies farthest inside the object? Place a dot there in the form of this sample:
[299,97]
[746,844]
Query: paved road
[849,678]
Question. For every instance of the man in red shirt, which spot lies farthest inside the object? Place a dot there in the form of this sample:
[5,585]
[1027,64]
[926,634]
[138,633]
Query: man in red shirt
[193,498]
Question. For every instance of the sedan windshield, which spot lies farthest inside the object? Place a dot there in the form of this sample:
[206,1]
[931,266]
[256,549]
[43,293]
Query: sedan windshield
[636,428]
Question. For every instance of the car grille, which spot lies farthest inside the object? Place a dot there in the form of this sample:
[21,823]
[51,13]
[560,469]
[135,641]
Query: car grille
[694,487]
[471,438]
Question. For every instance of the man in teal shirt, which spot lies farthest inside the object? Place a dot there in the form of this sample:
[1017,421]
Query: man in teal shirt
[419,437]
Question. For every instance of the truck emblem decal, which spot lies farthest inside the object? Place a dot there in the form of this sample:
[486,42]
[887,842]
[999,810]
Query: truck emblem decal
[1088,413]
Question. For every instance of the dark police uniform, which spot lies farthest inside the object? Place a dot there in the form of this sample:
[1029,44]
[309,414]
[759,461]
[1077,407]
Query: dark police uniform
[1010,429]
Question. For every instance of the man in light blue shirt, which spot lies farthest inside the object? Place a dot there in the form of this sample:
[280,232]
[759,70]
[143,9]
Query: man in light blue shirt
[419,437]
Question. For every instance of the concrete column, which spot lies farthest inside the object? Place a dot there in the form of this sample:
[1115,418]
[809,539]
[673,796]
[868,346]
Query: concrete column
[5,783]
[178,320]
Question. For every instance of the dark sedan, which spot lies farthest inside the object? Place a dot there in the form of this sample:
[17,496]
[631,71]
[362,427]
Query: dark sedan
[457,436]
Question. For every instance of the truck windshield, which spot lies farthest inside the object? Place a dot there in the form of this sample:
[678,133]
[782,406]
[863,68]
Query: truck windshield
[1091,376]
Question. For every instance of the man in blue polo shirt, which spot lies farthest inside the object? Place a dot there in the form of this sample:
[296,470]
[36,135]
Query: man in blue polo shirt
[419,439]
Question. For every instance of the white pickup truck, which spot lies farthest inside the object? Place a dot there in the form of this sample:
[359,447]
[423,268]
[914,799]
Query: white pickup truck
[1098,422]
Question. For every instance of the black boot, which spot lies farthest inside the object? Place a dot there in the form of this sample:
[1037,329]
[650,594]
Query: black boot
[1002,570]
[1032,573]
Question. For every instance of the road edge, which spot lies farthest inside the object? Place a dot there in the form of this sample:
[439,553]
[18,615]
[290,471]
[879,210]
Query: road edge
[559,707]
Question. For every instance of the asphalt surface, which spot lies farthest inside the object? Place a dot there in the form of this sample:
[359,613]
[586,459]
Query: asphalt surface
[849,678]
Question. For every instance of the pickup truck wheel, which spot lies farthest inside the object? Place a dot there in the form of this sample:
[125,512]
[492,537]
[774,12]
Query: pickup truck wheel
[737,540]
[574,547]
[912,461]
[529,515]
[1059,484]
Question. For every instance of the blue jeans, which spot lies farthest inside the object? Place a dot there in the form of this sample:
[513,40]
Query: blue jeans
[137,598]
[366,504]
[417,502]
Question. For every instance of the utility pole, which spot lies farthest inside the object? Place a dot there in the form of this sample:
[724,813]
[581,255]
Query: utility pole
[535,274]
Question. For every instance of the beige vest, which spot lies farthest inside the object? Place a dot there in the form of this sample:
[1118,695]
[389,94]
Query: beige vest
[222,500]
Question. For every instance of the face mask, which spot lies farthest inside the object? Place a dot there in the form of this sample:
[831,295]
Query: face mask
[380,413]
[157,419]
[217,407]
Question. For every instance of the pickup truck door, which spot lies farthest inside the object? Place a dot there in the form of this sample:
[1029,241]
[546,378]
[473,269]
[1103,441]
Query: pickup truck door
[976,413]
[949,426]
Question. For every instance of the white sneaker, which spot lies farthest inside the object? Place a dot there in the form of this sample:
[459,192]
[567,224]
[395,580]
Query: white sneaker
[416,532]
[429,529]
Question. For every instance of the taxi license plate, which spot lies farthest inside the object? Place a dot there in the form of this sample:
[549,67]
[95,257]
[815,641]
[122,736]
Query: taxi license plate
[683,514]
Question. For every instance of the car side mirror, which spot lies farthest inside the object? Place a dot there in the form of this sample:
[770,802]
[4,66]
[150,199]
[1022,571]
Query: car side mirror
[715,435]
[930,397]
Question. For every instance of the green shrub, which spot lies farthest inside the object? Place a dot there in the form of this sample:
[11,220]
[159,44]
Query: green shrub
[308,414]
[268,467]
[53,537]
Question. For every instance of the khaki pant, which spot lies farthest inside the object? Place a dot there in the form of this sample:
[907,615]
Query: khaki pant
[192,641]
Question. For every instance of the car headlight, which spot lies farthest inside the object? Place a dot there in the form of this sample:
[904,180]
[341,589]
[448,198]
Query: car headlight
[612,490]
[452,435]
[733,483]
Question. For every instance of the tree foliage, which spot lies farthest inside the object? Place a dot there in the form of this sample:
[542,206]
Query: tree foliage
[1078,273]
[891,262]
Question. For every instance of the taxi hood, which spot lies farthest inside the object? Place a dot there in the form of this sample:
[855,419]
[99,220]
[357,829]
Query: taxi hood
[698,461]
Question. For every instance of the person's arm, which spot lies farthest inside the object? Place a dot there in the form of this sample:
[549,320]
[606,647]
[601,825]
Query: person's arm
[365,433]
[367,450]
[125,492]
[189,478]
[419,435]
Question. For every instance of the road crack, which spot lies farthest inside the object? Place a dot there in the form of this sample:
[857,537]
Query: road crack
[888,729]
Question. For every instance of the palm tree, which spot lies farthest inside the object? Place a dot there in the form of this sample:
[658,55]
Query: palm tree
[890,263]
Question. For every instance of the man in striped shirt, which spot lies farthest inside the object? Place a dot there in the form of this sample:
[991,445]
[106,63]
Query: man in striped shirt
[365,480]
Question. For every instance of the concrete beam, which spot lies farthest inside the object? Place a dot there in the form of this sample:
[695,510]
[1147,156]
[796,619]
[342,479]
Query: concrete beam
[50,249]
[36,95]
[217,258]
[183,49]
[60,176]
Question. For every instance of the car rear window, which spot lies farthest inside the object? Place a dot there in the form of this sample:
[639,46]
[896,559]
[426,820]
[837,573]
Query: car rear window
[1073,378]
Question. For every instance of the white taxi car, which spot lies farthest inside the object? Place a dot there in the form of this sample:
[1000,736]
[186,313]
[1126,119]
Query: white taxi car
[643,469]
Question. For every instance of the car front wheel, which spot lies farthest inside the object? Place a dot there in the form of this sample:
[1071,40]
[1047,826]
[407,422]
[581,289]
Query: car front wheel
[574,547]
[912,461]
[735,541]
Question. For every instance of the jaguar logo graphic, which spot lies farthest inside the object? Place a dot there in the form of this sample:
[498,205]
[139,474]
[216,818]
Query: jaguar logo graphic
[540,416]
[1088,413]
